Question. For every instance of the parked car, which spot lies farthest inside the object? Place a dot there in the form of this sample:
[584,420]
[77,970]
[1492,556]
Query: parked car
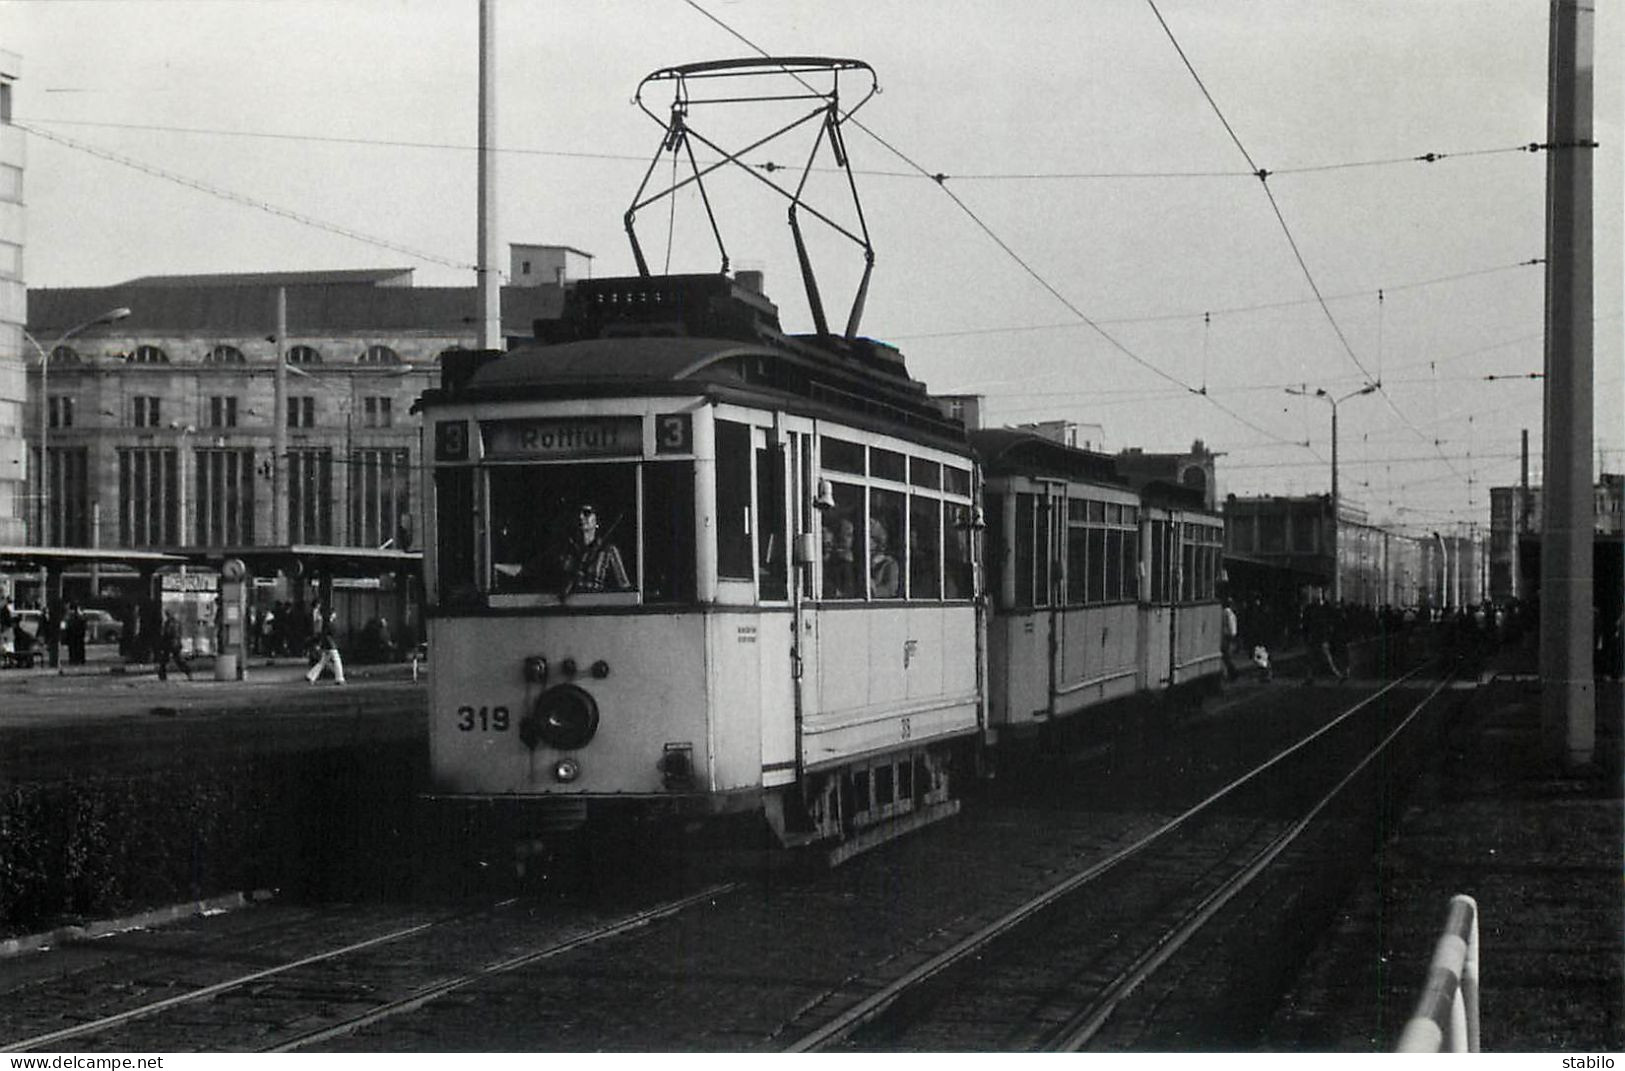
[102,627]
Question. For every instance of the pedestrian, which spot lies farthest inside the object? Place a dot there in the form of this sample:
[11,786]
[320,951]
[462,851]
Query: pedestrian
[8,618]
[329,648]
[169,647]
[51,632]
[1317,637]
[74,634]
[1227,638]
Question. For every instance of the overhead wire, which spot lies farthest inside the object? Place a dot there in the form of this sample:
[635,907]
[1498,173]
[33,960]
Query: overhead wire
[1008,250]
[771,165]
[243,199]
[1292,242]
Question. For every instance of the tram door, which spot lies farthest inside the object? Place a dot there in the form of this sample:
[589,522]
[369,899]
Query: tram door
[777,625]
[1053,547]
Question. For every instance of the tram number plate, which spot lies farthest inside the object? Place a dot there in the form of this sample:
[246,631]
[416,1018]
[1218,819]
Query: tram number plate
[674,433]
[482,719]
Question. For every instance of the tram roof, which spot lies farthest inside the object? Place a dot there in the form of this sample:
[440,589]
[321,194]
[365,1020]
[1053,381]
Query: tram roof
[1008,451]
[616,361]
[791,375]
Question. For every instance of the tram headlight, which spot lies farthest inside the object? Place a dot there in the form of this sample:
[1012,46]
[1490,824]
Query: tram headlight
[566,770]
[564,717]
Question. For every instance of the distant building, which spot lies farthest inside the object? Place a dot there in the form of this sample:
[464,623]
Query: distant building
[160,426]
[1069,433]
[962,407]
[1378,567]
[547,265]
[1515,517]
[14,348]
[1194,469]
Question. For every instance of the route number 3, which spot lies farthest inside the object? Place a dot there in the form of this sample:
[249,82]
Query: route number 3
[674,433]
[485,719]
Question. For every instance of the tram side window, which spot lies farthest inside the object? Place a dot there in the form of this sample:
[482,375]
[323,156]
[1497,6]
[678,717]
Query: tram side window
[956,561]
[1130,563]
[771,551]
[1159,561]
[454,510]
[1114,571]
[668,509]
[735,559]
[1190,576]
[1022,537]
[924,548]
[1077,556]
[888,554]
[563,529]
[1097,565]
[842,534]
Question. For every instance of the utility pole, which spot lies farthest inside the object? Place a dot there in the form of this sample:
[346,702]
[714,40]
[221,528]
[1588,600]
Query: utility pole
[1568,692]
[490,283]
[279,426]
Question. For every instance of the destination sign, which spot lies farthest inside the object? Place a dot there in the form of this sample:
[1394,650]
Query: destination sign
[563,438]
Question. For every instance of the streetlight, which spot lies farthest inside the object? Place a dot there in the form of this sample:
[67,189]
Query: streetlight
[1337,572]
[108,317]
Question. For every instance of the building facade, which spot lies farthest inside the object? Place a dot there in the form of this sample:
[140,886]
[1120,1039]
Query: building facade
[1195,469]
[1377,566]
[161,427]
[1516,516]
[14,347]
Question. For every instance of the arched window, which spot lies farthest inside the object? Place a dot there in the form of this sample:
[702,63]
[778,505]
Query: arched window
[64,355]
[378,355]
[224,354]
[149,355]
[304,355]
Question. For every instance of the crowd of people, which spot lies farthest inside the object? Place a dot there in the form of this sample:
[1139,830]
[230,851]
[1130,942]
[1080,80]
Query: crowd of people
[1257,628]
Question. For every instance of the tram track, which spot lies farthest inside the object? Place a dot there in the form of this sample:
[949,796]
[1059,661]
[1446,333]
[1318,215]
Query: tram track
[933,1001]
[299,982]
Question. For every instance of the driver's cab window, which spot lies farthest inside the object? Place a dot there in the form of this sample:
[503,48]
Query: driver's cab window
[563,529]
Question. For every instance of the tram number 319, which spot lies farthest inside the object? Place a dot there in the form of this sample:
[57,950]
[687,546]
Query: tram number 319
[483,719]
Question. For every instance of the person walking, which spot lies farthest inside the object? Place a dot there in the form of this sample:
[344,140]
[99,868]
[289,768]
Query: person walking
[329,655]
[169,647]
[74,635]
[1228,631]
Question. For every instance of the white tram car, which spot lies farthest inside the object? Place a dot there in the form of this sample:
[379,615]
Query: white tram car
[1100,592]
[686,563]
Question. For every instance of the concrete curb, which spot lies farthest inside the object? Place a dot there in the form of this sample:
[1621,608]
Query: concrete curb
[36,942]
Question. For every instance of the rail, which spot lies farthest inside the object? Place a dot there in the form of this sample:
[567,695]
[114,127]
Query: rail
[1446,1016]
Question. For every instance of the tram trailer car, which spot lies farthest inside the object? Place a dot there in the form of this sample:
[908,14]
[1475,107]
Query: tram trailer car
[684,563]
[1100,592]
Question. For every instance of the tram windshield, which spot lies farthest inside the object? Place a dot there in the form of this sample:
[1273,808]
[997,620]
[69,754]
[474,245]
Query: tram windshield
[564,529]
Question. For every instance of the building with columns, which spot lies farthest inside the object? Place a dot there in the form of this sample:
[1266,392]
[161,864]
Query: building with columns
[160,426]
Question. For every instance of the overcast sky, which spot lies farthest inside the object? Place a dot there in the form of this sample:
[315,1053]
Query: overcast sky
[256,135]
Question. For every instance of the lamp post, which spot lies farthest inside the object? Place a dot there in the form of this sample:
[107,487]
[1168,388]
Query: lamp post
[1337,571]
[108,317]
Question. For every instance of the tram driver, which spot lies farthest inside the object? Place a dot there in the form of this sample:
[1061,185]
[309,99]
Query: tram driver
[590,561]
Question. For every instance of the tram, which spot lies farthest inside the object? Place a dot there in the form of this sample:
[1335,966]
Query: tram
[1100,592]
[688,563]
